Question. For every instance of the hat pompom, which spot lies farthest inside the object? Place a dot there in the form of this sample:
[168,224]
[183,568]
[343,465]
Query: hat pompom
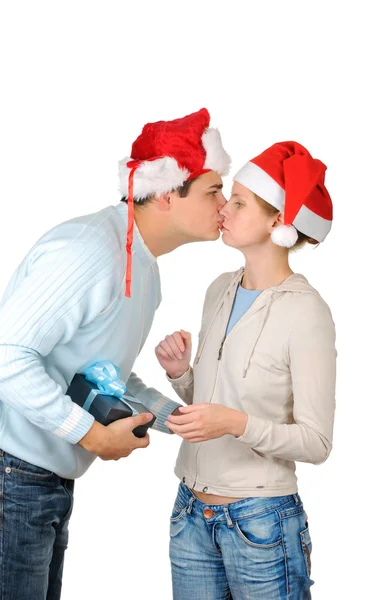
[285,236]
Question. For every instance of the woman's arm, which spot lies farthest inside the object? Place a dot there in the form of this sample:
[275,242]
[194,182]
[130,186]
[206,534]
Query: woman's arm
[312,360]
[174,354]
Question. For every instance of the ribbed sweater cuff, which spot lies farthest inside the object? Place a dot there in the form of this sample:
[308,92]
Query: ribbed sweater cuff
[163,408]
[75,427]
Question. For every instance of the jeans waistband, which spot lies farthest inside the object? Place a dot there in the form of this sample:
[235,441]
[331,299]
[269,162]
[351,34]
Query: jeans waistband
[239,509]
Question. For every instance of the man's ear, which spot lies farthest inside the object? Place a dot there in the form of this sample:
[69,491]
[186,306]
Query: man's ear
[164,201]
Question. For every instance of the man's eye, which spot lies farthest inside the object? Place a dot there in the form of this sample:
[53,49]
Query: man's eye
[214,193]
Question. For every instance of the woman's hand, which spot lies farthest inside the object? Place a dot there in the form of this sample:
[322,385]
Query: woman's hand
[174,353]
[202,422]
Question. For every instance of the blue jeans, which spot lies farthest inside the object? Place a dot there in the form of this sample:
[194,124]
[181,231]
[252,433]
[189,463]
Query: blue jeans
[35,507]
[256,548]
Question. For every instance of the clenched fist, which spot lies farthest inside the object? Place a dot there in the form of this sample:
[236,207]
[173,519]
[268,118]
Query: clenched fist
[174,353]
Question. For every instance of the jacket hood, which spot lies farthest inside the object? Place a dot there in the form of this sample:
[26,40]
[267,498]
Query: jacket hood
[294,283]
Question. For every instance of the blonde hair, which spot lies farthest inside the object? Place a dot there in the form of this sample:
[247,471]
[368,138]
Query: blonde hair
[271,211]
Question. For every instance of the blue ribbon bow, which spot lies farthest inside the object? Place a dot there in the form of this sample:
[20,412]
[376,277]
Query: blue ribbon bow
[106,376]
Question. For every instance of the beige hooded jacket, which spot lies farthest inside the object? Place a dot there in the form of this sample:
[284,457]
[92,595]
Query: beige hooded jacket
[277,365]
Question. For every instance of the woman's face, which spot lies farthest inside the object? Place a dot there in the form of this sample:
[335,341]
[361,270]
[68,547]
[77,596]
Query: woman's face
[245,223]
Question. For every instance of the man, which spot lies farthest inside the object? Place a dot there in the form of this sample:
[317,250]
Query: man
[86,292]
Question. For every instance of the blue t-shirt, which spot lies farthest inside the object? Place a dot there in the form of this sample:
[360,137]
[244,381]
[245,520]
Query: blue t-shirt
[243,301]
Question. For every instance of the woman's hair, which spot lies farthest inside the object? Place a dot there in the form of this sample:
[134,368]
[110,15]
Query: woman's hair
[271,210]
[182,191]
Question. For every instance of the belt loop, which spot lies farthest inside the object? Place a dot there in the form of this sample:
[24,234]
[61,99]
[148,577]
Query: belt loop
[296,498]
[190,505]
[228,518]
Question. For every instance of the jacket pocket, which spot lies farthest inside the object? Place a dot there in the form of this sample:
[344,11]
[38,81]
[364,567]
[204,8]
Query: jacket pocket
[307,549]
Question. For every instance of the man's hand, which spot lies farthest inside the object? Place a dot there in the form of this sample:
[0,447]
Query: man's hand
[117,439]
[202,422]
[174,353]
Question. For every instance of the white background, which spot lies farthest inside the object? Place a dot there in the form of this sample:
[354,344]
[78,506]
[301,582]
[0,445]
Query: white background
[79,80]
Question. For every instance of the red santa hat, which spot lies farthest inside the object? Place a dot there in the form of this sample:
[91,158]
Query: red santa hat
[163,157]
[287,177]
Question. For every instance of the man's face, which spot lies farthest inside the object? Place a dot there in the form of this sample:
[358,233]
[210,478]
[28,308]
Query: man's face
[197,215]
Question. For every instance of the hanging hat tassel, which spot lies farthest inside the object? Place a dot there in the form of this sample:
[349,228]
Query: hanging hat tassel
[130,232]
[285,236]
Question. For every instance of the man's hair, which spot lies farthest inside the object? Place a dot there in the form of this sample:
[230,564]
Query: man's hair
[182,190]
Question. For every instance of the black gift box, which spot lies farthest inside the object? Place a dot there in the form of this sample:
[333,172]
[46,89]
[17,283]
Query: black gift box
[105,407]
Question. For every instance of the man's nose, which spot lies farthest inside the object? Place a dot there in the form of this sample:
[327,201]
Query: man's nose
[221,202]
[224,209]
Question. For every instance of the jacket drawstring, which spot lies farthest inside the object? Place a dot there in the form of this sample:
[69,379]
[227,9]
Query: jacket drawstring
[263,321]
[215,313]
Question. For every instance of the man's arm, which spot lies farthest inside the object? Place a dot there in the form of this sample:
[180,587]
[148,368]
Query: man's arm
[161,406]
[67,286]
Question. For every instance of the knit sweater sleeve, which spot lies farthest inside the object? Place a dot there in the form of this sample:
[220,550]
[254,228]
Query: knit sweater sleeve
[312,360]
[67,283]
[161,406]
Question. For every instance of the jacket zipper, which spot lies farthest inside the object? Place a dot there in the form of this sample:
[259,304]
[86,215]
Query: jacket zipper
[215,383]
[218,368]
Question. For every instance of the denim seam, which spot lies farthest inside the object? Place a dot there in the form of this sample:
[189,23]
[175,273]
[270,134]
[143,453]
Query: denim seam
[71,497]
[260,546]
[217,547]
[263,512]
[2,491]
[39,476]
[179,516]
[294,514]
[285,555]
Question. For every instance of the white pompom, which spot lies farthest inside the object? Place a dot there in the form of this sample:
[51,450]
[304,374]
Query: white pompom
[284,235]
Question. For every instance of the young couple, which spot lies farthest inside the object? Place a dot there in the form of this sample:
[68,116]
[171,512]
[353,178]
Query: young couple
[260,394]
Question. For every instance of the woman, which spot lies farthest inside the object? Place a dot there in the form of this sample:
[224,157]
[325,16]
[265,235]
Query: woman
[260,394]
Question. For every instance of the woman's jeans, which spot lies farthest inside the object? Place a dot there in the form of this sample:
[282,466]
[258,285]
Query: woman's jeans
[256,548]
[35,508]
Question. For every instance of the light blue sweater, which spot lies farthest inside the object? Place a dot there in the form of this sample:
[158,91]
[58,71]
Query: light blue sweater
[243,302]
[63,309]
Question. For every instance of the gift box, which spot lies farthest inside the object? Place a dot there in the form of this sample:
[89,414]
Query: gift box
[100,391]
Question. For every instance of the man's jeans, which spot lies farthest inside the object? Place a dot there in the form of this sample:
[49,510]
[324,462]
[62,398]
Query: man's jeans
[35,507]
[253,548]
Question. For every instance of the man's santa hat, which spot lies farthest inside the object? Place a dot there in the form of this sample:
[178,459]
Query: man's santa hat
[164,157]
[287,177]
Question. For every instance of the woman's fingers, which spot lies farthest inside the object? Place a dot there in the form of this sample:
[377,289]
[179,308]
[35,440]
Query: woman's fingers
[186,337]
[179,341]
[183,429]
[159,350]
[170,339]
[172,346]
[182,419]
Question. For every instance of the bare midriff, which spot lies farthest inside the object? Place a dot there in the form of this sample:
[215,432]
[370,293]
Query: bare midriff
[213,499]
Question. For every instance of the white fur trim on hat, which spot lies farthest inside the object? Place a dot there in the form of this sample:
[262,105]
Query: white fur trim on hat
[152,177]
[284,235]
[312,224]
[258,181]
[216,158]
